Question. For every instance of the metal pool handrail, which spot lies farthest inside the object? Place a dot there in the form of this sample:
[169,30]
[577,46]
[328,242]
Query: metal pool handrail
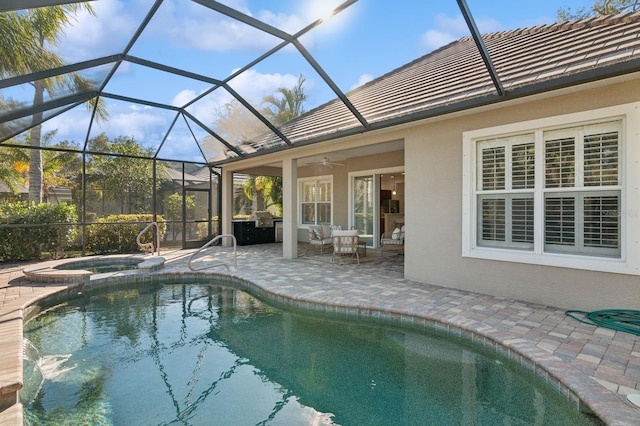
[144,245]
[219,237]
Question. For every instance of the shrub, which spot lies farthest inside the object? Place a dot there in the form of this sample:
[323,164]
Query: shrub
[47,228]
[118,233]
[203,228]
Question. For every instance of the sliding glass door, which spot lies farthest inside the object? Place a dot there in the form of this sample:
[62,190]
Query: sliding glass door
[364,201]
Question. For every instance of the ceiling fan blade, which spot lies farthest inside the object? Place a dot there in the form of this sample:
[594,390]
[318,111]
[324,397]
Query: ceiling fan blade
[326,163]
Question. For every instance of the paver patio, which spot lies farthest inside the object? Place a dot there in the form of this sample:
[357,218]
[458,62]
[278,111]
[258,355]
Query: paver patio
[596,365]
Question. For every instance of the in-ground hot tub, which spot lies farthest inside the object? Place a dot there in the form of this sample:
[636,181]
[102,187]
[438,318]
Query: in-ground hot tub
[102,264]
[79,270]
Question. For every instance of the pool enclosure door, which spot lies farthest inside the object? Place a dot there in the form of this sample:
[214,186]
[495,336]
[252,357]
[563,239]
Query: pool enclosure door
[196,213]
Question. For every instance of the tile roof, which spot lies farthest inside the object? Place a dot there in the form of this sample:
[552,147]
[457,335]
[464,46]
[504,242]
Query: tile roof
[454,77]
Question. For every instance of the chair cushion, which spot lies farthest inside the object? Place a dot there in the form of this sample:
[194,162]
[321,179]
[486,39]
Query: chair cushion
[317,231]
[391,242]
[314,232]
[345,233]
[395,235]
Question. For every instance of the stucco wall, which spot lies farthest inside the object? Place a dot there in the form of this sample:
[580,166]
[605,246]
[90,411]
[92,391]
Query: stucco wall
[433,166]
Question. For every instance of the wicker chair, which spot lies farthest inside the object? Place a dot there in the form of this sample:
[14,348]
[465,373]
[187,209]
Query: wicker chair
[319,236]
[345,244]
[392,241]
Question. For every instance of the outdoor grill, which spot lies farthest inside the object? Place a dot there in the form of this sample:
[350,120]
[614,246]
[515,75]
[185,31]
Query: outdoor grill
[263,219]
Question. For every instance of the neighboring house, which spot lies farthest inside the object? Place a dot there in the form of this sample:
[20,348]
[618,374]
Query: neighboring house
[524,185]
[55,195]
[7,194]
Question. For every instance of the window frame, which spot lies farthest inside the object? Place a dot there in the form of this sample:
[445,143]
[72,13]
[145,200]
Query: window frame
[628,257]
[502,189]
[316,181]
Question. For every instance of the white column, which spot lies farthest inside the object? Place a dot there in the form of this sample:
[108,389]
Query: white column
[289,209]
[226,209]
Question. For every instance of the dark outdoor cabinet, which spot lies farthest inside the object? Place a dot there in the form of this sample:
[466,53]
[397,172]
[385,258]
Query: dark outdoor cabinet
[246,233]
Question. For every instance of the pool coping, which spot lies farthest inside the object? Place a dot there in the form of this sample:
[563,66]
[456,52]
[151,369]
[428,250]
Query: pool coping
[47,272]
[581,389]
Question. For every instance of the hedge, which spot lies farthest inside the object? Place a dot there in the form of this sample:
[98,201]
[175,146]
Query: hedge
[47,228]
[118,233]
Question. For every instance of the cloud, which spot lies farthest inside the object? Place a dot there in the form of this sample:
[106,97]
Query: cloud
[71,126]
[363,79]
[448,29]
[106,32]
[251,85]
[195,26]
[148,125]
[141,123]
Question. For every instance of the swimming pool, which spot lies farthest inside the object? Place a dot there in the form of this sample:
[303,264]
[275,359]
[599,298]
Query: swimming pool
[203,353]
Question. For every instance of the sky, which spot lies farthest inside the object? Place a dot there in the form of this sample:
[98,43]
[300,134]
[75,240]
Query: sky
[367,40]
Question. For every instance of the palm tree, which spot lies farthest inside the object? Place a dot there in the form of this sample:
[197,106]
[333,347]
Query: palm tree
[283,108]
[287,106]
[23,43]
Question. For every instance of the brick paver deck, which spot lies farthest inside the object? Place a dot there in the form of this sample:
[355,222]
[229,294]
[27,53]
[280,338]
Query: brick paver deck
[591,365]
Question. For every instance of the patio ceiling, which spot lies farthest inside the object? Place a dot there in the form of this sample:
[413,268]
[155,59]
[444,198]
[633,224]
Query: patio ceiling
[212,55]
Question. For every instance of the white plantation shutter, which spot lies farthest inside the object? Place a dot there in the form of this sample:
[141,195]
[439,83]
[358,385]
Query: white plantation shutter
[522,166]
[601,159]
[493,168]
[602,222]
[579,185]
[493,220]
[582,198]
[506,179]
[560,163]
[522,220]
[560,220]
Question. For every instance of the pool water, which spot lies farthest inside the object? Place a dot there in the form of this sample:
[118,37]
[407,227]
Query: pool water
[204,354]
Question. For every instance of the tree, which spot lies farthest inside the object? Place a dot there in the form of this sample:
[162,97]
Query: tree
[24,42]
[59,167]
[173,209]
[14,163]
[599,8]
[287,106]
[237,125]
[126,178]
[264,192]
[60,164]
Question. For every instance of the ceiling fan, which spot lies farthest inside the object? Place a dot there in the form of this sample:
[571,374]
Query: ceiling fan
[326,163]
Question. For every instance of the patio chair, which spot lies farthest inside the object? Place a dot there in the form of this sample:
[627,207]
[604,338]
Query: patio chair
[392,241]
[319,236]
[345,244]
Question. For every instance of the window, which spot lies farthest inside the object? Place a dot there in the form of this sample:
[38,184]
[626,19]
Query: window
[316,201]
[581,166]
[582,190]
[505,192]
[552,194]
